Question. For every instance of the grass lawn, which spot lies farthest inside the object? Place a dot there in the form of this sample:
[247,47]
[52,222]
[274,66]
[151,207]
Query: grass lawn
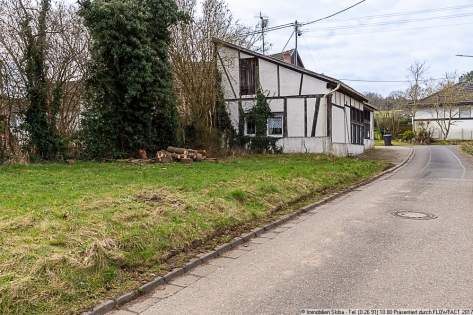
[74,235]
[380,143]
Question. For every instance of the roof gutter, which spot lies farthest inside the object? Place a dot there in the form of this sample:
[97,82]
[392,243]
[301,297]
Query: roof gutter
[370,106]
[324,139]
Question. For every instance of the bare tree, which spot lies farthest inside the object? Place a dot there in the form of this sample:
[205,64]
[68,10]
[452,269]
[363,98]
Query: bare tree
[375,99]
[417,87]
[192,53]
[66,52]
[446,104]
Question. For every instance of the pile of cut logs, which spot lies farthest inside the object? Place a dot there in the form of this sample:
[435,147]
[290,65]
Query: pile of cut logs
[185,156]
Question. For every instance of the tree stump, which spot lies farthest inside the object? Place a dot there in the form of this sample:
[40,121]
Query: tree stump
[186,161]
[142,154]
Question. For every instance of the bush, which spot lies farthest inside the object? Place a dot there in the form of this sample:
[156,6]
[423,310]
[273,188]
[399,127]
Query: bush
[408,135]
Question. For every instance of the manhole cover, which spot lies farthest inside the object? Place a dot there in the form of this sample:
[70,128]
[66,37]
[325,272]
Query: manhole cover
[414,215]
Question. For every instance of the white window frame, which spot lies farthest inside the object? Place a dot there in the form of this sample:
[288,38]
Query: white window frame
[246,128]
[279,116]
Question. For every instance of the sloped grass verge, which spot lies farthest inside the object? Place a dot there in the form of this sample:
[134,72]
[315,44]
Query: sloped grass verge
[467,147]
[73,235]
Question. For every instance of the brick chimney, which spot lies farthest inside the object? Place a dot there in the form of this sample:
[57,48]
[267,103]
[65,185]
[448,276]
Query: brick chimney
[287,58]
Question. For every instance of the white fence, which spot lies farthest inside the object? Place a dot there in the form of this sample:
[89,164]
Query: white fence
[461,134]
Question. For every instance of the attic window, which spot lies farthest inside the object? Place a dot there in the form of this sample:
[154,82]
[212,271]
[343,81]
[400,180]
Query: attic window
[248,76]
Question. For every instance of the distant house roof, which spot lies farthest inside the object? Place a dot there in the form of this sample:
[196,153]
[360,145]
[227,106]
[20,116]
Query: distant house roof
[292,54]
[462,91]
[331,82]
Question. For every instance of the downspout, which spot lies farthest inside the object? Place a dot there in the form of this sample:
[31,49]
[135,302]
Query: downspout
[326,117]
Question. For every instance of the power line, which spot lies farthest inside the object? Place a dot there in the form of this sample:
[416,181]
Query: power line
[275,28]
[310,53]
[306,23]
[385,31]
[388,23]
[399,14]
[387,81]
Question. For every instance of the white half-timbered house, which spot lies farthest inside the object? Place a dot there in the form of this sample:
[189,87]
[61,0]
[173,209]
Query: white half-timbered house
[312,112]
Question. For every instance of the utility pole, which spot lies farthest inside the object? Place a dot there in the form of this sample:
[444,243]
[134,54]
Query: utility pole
[298,33]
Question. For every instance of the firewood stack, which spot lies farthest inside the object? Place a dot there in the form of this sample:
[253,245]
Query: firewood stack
[185,156]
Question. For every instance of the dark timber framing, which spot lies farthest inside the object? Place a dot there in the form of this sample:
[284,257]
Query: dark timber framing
[285,119]
[329,116]
[279,83]
[316,115]
[302,81]
[276,97]
[305,117]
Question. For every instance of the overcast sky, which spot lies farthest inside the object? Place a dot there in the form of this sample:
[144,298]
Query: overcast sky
[376,40]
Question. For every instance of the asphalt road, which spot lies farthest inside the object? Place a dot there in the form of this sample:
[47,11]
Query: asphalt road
[350,253]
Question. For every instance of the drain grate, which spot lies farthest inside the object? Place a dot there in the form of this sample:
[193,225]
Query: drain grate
[414,215]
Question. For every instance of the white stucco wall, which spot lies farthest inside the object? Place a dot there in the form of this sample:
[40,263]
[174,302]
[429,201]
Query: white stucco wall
[229,60]
[312,85]
[345,149]
[276,105]
[295,117]
[339,129]
[290,81]
[301,144]
[268,73]
[232,108]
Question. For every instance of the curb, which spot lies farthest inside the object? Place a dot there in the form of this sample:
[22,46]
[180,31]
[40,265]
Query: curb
[200,259]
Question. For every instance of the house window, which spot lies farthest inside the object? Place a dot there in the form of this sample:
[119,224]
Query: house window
[275,125]
[357,126]
[248,76]
[465,112]
[250,127]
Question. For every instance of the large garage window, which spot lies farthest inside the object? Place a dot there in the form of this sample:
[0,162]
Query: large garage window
[367,123]
[357,126]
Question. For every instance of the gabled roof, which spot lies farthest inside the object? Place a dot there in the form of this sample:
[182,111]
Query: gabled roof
[331,82]
[294,56]
[462,91]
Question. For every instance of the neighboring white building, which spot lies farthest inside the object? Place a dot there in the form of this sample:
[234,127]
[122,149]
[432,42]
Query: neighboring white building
[454,107]
[312,112]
